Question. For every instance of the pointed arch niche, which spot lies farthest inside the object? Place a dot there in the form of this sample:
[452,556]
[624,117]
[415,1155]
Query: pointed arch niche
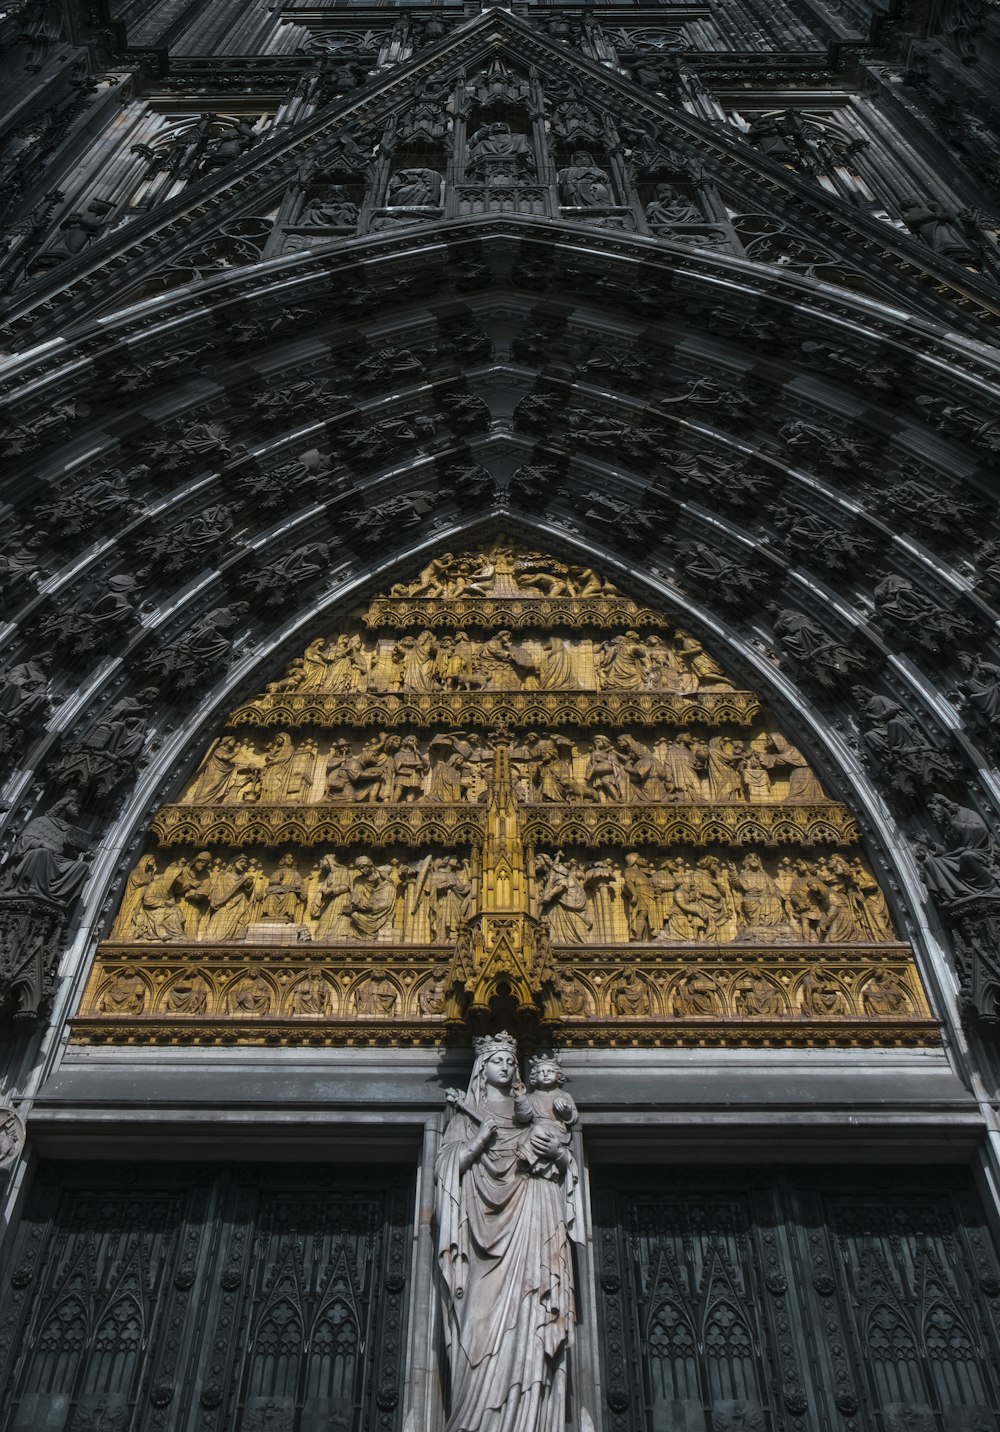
[504,784]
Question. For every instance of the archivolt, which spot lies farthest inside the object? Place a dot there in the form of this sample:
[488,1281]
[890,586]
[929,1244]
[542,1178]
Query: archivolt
[635,406]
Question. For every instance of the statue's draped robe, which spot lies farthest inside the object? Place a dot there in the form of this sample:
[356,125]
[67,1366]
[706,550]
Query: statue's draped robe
[504,1240]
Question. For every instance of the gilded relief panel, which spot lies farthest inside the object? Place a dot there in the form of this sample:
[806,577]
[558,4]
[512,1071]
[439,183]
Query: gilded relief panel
[504,781]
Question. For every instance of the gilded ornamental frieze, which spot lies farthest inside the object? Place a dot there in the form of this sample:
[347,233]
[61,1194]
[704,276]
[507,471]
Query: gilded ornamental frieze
[458,824]
[504,786]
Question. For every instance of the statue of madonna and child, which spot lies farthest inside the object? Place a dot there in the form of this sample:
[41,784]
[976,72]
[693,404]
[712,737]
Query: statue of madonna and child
[508,1212]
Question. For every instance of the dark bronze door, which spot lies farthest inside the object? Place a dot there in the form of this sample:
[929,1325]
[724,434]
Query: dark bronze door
[817,1299]
[194,1299]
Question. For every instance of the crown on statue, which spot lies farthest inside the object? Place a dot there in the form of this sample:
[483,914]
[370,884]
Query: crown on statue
[537,1060]
[502,1043]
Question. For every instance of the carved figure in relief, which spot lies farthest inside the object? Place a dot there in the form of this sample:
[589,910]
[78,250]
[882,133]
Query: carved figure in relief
[284,897]
[49,860]
[698,995]
[450,889]
[217,773]
[982,686]
[706,670]
[600,882]
[884,995]
[821,996]
[23,700]
[504,1230]
[373,771]
[157,914]
[231,901]
[757,997]
[125,995]
[683,760]
[411,768]
[503,665]
[431,994]
[314,666]
[274,770]
[496,141]
[332,901]
[309,998]
[339,786]
[584,184]
[724,763]
[839,924]
[622,663]
[449,779]
[966,867]
[546,1104]
[646,774]
[334,209]
[376,998]
[867,901]
[415,658]
[415,188]
[802,783]
[606,773]
[756,783]
[640,898]
[249,997]
[571,995]
[631,996]
[804,901]
[563,900]
[188,995]
[553,756]
[346,665]
[762,912]
[373,897]
[669,209]
[555,666]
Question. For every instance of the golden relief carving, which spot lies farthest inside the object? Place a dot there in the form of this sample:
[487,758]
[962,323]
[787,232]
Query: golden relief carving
[426,661]
[572,810]
[391,768]
[637,1000]
[589,898]
[499,588]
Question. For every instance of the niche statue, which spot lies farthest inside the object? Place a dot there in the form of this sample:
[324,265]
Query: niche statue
[507,1208]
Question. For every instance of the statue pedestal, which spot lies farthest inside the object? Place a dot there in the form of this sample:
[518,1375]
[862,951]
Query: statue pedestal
[274,932]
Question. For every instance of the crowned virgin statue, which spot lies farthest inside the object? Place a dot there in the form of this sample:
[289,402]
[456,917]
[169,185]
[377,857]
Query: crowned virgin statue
[508,1210]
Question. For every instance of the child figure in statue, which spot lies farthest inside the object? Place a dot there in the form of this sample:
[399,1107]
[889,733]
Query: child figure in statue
[545,1105]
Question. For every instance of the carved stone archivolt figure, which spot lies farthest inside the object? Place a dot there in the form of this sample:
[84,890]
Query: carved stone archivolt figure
[507,1211]
[49,859]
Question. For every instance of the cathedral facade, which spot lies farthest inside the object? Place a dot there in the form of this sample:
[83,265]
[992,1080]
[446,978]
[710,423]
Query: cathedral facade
[500,898]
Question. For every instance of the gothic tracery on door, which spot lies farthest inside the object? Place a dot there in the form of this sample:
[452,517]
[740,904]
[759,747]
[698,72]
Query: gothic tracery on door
[867,1301]
[206,1298]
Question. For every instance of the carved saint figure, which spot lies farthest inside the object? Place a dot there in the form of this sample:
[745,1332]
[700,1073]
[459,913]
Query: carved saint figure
[332,901]
[504,1228]
[564,900]
[284,897]
[231,901]
[622,663]
[669,208]
[415,188]
[495,142]
[49,859]
[582,183]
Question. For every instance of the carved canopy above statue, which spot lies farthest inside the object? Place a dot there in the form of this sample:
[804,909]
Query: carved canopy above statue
[506,786]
